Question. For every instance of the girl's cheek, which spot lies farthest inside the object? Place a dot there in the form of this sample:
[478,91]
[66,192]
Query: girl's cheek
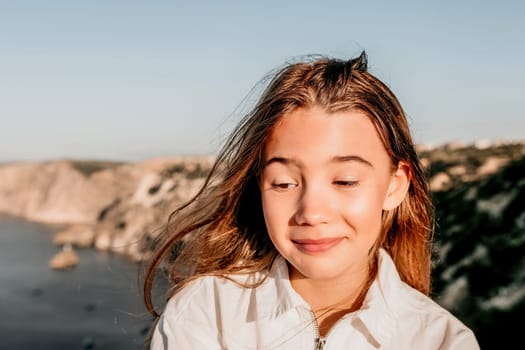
[361,204]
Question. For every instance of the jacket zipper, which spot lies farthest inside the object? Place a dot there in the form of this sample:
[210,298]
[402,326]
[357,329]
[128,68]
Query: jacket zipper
[319,341]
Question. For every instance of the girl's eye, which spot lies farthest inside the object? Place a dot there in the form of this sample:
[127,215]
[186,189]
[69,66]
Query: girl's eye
[346,183]
[284,185]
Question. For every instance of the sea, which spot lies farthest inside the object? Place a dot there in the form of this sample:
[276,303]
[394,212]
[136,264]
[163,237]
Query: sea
[96,305]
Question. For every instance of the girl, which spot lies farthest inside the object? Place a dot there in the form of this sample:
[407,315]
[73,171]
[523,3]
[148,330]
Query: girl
[313,230]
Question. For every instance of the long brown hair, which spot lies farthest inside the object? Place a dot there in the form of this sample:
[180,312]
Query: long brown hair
[221,231]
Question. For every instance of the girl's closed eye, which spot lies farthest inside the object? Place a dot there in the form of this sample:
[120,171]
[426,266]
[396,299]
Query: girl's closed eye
[284,185]
[346,183]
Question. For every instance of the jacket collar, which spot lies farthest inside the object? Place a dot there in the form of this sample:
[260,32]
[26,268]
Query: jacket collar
[276,296]
[376,312]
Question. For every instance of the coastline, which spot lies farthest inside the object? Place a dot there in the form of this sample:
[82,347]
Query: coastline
[97,305]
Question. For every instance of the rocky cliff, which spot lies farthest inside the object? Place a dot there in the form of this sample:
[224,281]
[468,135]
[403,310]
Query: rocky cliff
[111,206]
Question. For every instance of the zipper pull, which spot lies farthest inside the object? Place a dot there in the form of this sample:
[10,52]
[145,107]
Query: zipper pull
[319,343]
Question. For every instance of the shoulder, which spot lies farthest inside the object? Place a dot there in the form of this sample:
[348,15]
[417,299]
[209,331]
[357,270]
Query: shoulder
[205,296]
[423,308]
[420,318]
[189,296]
[431,323]
[200,315]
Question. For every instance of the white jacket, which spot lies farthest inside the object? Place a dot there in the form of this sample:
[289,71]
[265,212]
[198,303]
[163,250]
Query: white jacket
[215,313]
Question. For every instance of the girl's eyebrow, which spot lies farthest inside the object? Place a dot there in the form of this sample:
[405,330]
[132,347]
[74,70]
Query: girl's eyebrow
[351,158]
[281,160]
[334,159]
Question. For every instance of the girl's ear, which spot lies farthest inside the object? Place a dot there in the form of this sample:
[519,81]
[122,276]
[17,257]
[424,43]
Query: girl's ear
[398,187]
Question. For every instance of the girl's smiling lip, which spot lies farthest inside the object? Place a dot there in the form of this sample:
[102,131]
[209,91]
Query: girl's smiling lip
[313,246]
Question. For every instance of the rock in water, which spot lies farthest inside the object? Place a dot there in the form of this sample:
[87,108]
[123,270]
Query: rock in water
[65,259]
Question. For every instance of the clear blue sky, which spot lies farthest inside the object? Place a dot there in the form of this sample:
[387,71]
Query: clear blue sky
[137,79]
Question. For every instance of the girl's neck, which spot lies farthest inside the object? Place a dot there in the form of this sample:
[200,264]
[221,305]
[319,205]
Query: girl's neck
[332,299]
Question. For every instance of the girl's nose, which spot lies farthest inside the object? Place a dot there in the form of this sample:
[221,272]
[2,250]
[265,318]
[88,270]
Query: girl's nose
[314,207]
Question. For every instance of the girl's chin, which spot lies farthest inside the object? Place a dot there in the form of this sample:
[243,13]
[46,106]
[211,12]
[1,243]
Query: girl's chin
[316,271]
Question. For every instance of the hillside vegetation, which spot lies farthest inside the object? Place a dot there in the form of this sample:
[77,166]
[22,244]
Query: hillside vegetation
[479,270]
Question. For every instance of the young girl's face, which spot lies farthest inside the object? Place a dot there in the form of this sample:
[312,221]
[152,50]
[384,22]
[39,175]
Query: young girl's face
[327,178]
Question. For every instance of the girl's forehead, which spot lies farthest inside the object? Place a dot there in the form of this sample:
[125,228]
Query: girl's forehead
[315,121]
[313,133]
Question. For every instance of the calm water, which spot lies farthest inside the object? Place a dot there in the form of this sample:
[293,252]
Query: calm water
[97,305]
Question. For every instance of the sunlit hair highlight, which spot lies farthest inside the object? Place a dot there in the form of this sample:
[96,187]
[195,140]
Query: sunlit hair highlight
[221,231]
